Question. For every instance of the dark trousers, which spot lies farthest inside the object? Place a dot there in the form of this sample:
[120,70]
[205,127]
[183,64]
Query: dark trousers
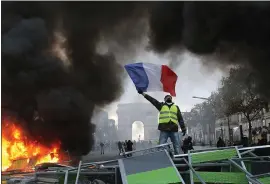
[102,150]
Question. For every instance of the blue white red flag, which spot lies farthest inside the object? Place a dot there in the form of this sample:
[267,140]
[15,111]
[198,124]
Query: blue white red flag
[150,77]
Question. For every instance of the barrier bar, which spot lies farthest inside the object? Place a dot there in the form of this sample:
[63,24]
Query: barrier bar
[212,150]
[78,172]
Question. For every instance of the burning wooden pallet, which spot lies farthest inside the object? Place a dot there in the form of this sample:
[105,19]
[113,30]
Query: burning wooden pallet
[22,164]
[19,165]
[28,164]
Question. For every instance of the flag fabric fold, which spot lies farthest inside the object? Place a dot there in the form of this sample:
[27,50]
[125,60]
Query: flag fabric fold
[150,77]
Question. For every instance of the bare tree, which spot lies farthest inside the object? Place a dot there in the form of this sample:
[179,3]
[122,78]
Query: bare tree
[203,114]
[238,95]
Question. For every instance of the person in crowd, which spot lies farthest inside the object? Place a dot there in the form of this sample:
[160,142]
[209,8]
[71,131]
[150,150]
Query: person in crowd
[125,145]
[120,147]
[169,118]
[129,147]
[101,148]
[187,144]
[220,143]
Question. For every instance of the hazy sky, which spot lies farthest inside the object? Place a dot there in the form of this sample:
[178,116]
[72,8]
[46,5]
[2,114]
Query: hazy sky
[194,79]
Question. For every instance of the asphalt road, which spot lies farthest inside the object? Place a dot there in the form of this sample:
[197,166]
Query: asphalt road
[96,156]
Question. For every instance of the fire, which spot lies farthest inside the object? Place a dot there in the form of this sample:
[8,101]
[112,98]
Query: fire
[16,145]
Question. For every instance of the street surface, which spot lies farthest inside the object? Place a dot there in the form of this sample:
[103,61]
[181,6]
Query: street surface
[96,156]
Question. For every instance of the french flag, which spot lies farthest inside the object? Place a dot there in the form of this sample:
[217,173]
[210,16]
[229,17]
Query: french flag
[151,77]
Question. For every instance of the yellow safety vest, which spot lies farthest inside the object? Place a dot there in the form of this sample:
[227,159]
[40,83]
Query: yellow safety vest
[167,114]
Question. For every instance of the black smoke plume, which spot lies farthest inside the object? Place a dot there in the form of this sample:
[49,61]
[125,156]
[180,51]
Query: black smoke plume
[235,32]
[62,92]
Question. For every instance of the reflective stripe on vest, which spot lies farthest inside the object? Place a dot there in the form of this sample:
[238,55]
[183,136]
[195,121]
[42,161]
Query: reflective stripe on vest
[167,114]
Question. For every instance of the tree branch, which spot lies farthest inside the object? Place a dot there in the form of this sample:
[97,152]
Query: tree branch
[255,115]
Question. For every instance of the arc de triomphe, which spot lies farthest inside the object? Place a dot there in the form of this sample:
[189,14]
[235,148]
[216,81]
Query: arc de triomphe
[131,112]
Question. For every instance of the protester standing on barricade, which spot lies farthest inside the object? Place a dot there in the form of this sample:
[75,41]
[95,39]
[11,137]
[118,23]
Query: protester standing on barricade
[152,77]
[170,115]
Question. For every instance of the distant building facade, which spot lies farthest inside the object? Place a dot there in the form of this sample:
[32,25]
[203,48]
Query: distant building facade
[262,120]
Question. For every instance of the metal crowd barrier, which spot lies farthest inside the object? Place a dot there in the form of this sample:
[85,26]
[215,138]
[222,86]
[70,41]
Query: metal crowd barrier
[111,167]
[98,164]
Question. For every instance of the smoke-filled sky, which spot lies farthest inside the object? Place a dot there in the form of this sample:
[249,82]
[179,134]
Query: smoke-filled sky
[97,38]
[194,79]
[219,33]
[64,87]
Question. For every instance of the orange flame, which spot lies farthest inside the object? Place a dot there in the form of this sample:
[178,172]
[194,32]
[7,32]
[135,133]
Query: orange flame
[15,146]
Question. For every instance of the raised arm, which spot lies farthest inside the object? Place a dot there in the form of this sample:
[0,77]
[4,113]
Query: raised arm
[152,100]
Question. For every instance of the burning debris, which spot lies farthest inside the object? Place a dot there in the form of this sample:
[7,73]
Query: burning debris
[65,87]
[63,78]
[18,149]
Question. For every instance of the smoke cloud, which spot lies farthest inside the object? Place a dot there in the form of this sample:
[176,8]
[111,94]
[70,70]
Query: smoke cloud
[224,32]
[63,86]
[63,91]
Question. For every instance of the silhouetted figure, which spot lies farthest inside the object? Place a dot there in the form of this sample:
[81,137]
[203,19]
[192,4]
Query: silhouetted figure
[120,148]
[187,144]
[129,147]
[101,148]
[245,142]
[125,145]
[220,143]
